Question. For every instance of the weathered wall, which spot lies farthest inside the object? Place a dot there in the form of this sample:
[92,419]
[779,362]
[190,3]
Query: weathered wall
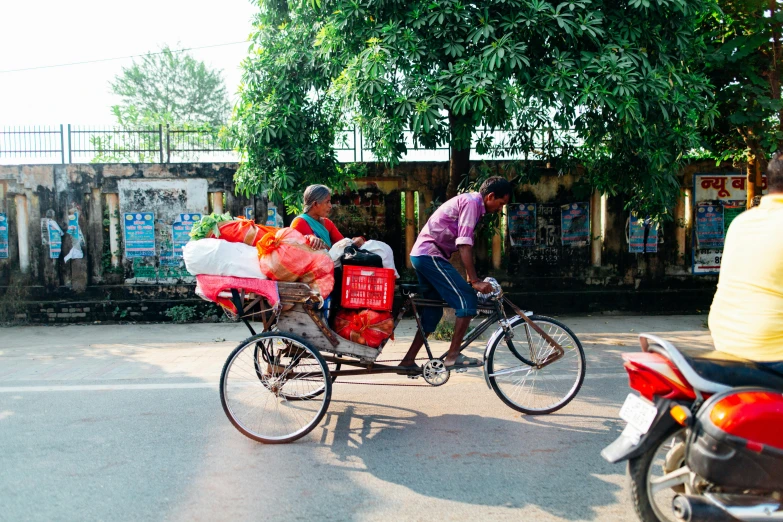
[101,192]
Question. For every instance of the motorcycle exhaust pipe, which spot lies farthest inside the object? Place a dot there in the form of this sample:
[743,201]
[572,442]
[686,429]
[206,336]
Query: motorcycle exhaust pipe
[692,508]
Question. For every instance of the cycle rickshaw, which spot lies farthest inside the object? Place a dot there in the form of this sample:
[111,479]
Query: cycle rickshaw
[276,386]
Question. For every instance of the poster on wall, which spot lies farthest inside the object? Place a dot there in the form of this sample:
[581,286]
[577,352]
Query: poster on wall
[55,234]
[3,236]
[522,224]
[575,224]
[728,192]
[77,238]
[271,216]
[637,228]
[181,231]
[250,213]
[709,226]
[139,234]
[731,209]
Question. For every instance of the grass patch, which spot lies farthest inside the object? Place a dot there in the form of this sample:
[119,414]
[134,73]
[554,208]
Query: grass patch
[444,331]
[181,313]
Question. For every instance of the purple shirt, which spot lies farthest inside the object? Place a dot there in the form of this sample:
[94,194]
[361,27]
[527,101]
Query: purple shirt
[450,226]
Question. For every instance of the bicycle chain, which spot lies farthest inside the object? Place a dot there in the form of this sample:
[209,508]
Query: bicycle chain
[387,383]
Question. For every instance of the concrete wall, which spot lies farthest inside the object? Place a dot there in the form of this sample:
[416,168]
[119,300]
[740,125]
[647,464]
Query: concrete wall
[32,195]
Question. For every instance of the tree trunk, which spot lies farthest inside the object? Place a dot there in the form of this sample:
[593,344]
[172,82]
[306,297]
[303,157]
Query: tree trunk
[459,162]
[750,182]
[774,77]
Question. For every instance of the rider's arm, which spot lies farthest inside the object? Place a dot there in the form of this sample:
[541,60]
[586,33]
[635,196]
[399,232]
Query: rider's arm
[466,255]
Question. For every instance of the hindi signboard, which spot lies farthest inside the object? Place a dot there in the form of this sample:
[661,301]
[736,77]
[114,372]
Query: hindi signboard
[726,193]
[522,224]
[139,234]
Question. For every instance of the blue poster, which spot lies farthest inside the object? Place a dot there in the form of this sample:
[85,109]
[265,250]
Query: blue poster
[73,226]
[522,224]
[709,226]
[3,236]
[271,217]
[636,231]
[55,239]
[575,222]
[182,227]
[250,213]
[139,234]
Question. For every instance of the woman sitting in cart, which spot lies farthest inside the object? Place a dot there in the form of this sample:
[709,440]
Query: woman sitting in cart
[314,223]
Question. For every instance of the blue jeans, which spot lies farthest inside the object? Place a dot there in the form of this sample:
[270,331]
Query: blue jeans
[439,280]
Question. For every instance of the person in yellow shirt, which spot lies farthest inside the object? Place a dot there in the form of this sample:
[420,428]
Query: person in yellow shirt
[746,317]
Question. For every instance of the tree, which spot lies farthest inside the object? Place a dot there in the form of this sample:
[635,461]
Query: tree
[610,84]
[173,87]
[743,60]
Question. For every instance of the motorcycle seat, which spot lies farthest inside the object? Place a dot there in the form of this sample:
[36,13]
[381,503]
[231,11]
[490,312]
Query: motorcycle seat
[727,369]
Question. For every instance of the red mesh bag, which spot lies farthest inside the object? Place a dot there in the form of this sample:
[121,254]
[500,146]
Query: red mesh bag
[366,327]
[241,230]
[283,255]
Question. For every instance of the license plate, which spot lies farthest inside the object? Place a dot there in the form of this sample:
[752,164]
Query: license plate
[638,412]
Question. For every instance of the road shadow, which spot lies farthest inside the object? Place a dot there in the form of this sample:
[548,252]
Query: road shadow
[466,458]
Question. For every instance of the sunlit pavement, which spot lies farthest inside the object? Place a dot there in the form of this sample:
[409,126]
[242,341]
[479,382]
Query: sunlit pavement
[123,422]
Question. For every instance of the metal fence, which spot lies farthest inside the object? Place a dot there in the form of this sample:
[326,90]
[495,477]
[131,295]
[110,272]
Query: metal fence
[169,144]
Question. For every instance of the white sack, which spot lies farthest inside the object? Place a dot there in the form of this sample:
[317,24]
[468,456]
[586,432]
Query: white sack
[219,257]
[383,250]
[338,249]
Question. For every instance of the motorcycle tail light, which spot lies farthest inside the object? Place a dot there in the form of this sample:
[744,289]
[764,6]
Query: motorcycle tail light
[653,375]
[646,382]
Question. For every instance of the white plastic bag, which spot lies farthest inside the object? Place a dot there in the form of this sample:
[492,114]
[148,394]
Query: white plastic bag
[383,250]
[218,257]
[338,249]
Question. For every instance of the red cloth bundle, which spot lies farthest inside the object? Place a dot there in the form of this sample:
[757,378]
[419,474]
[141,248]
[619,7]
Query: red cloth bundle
[210,287]
[366,327]
[241,230]
[283,255]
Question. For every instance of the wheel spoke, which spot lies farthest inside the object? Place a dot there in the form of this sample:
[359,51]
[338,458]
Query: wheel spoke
[530,389]
[287,400]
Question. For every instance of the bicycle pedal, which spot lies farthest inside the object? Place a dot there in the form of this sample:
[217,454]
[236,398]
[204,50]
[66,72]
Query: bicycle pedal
[461,370]
[413,376]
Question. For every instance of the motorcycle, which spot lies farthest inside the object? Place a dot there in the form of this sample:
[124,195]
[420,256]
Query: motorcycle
[704,439]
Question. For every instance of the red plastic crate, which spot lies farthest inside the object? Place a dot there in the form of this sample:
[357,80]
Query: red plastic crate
[368,287]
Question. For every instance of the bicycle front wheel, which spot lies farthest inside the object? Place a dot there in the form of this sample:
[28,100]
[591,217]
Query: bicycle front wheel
[275,388]
[522,386]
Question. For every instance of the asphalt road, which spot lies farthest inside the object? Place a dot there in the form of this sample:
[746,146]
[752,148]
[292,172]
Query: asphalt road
[124,422]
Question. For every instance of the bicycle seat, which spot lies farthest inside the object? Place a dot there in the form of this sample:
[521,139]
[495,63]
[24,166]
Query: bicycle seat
[732,371]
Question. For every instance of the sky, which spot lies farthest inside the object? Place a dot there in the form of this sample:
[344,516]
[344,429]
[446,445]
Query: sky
[36,33]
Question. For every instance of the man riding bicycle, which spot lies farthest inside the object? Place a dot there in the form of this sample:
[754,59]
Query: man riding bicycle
[451,228]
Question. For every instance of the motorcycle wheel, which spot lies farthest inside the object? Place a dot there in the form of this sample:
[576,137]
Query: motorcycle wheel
[655,506]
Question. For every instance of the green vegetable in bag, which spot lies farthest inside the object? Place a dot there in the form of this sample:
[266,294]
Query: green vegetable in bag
[207,226]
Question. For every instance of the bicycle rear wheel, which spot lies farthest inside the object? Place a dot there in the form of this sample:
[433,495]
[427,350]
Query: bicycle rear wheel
[257,395]
[523,387]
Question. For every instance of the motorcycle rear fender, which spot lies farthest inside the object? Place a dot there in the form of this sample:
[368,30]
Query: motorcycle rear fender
[625,448]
